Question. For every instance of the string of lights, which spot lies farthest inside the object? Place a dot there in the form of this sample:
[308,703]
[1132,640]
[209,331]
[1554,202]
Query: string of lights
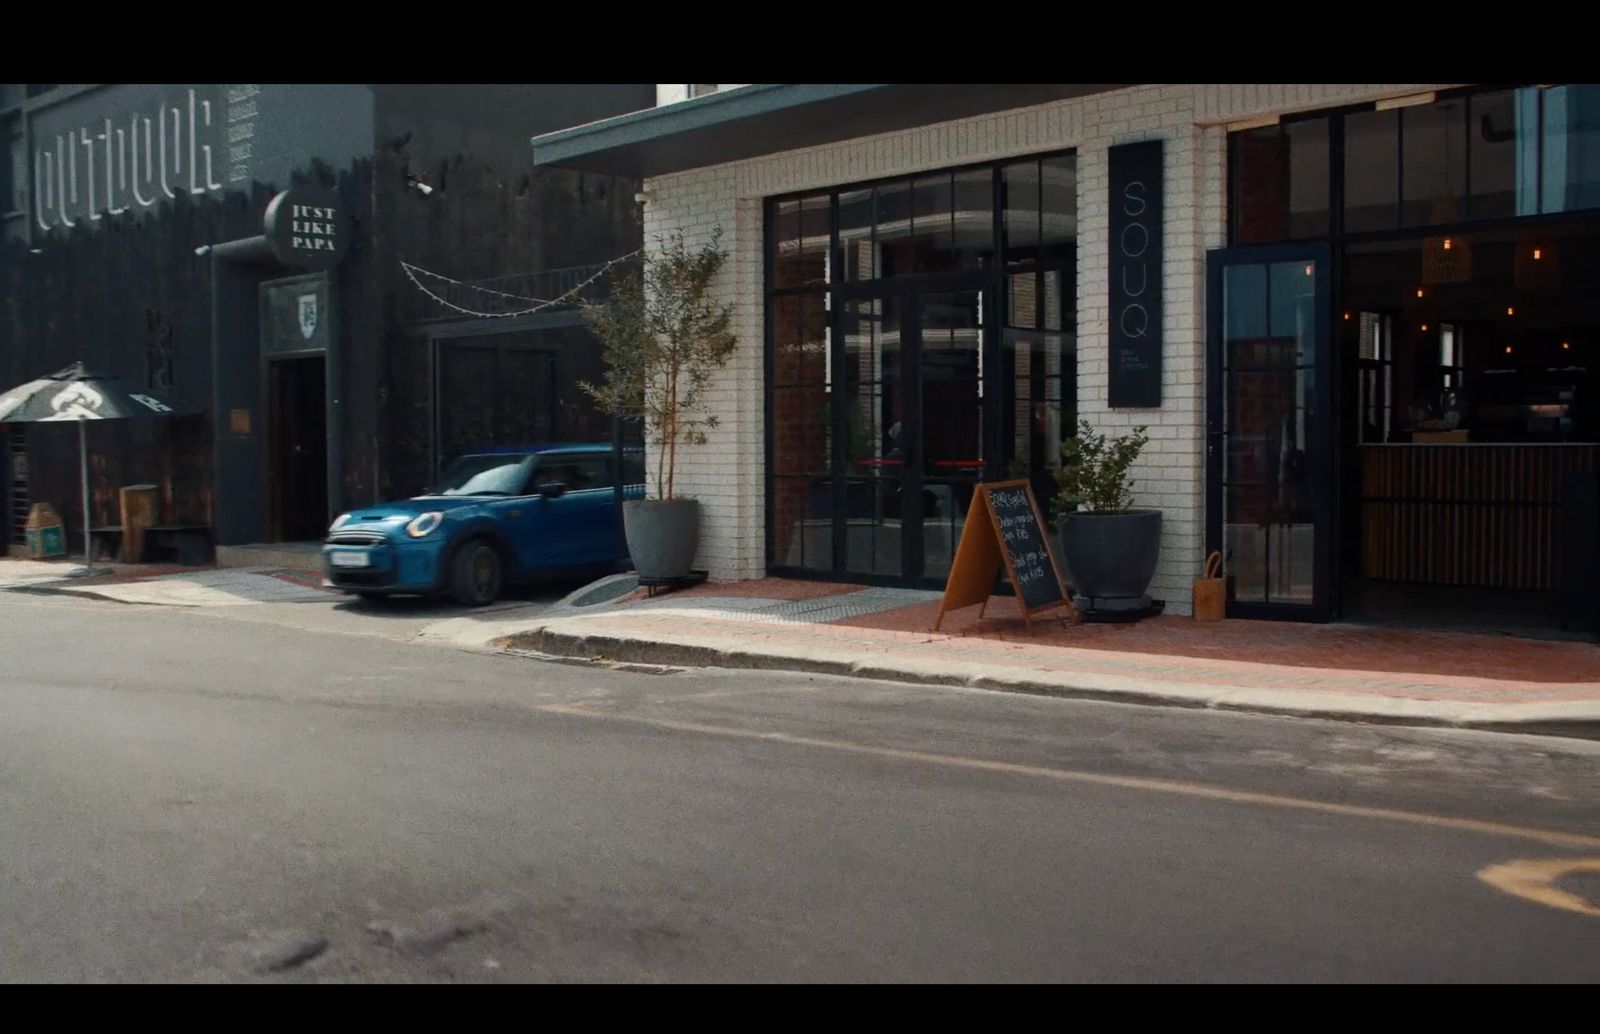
[413,273]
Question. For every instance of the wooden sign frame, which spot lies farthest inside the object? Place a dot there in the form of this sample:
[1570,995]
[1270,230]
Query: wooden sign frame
[982,550]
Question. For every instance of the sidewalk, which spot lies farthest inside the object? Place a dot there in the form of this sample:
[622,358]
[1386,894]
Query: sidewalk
[1358,673]
[161,585]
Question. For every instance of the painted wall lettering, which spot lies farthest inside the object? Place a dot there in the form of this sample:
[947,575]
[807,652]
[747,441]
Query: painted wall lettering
[108,165]
[1135,274]
[130,147]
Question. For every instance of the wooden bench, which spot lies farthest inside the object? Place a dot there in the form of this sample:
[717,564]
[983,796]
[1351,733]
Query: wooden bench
[188,544]
[105,538]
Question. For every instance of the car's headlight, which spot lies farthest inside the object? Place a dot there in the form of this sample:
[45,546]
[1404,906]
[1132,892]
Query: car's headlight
[339,522]
[423,523]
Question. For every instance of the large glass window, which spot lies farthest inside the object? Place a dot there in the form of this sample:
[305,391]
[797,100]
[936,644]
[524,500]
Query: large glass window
[1502,135]
[1433,163]
[1280,182]
[933,316]
[1465,157]
[1371,171]
[1571,148]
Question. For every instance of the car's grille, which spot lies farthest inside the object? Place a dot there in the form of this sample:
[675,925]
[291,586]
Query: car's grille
[343,577]
[356,538]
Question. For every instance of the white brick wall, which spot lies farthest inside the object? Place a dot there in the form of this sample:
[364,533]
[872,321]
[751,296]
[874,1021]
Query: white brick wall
[672,93]
[727,474]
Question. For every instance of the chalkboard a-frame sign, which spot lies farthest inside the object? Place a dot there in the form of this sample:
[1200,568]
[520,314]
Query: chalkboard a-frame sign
[1004,526]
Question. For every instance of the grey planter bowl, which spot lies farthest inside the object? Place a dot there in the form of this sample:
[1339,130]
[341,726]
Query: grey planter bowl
[663,535]
[1111,555]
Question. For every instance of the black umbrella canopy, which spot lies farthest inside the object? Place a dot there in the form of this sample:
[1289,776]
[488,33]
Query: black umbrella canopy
[78,393]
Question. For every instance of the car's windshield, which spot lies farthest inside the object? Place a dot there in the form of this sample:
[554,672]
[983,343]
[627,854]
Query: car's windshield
[484,475]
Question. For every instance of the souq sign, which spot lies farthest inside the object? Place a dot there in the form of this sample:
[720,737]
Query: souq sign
[1135,267]
[307,228]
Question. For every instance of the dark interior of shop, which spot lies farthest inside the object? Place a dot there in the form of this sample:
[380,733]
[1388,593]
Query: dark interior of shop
[1465,437]
[1482,340]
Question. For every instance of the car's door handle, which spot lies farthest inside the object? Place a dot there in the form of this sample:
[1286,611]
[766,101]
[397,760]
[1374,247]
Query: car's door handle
[514,513]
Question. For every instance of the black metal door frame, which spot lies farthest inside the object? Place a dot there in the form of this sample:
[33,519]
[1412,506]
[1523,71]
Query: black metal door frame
[1322,446]
[909,293]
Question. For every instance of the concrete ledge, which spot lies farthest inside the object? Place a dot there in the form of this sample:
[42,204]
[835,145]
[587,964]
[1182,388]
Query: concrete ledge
[1579,719]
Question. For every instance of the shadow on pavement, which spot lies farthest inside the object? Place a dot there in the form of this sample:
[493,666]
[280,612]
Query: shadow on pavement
[411,608]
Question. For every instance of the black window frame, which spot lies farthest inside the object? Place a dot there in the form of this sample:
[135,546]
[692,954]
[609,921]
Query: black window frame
[995,274]
[1336,116]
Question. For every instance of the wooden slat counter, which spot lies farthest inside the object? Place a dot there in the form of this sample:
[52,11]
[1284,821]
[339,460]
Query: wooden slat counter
[1467,514]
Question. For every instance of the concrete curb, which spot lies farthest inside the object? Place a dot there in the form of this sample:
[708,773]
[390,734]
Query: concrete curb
[1577,720]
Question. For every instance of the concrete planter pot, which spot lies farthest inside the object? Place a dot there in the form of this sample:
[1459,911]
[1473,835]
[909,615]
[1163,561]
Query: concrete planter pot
[663,535]
[1111,556]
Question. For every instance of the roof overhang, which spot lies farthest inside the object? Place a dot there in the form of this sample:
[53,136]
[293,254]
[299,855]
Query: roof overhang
[751,121]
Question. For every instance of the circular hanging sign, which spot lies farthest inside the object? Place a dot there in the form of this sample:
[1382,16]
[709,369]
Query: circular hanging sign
[307,228]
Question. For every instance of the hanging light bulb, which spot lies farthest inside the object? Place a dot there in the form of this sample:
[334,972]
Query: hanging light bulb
[1511,310]
[1538,253]
[1419,292]
[1447,244]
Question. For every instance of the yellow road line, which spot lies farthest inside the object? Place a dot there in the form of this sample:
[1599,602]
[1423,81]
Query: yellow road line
[1553,837]
[1534,880]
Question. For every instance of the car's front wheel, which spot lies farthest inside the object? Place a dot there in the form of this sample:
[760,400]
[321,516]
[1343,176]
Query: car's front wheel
[476,575]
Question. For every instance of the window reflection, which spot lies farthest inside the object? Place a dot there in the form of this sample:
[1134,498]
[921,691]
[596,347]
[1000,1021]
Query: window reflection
[845,397]
[1269,497]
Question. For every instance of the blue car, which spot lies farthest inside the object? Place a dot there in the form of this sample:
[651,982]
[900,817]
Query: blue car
[496,518]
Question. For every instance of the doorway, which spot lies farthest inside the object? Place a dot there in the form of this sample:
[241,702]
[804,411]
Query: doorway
[910,413]
[1270,495]
[297,446]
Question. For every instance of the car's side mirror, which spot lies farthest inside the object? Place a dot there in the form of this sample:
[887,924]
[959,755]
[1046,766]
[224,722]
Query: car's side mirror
[552,489]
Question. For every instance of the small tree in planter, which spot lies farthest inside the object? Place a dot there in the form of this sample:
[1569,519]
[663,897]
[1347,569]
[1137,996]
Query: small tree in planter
[1110,548]
[664,335]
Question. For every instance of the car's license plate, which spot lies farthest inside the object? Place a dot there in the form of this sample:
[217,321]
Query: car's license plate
[351,560]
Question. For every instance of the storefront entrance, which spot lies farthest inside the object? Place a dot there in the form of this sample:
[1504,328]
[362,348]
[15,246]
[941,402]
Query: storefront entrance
[1269,456]
[920,340]
[1404,395]
[910,404]
[298,448]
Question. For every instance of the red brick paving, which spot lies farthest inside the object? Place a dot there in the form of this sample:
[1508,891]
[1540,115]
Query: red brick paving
[1339,647]
[1332,647]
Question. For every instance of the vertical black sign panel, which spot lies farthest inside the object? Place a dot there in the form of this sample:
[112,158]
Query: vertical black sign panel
[1135,268]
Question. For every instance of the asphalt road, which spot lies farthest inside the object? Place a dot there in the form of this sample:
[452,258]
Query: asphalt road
[187,795]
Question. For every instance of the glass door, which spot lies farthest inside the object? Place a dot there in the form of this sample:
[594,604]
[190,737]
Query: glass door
[910,429]
[950,456]
[1270,492]
[875,400]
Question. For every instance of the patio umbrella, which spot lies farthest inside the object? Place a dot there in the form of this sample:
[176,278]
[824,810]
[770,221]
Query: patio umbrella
[75,393]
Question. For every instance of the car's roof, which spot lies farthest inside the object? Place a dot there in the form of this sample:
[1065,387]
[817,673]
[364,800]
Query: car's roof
[547,450]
